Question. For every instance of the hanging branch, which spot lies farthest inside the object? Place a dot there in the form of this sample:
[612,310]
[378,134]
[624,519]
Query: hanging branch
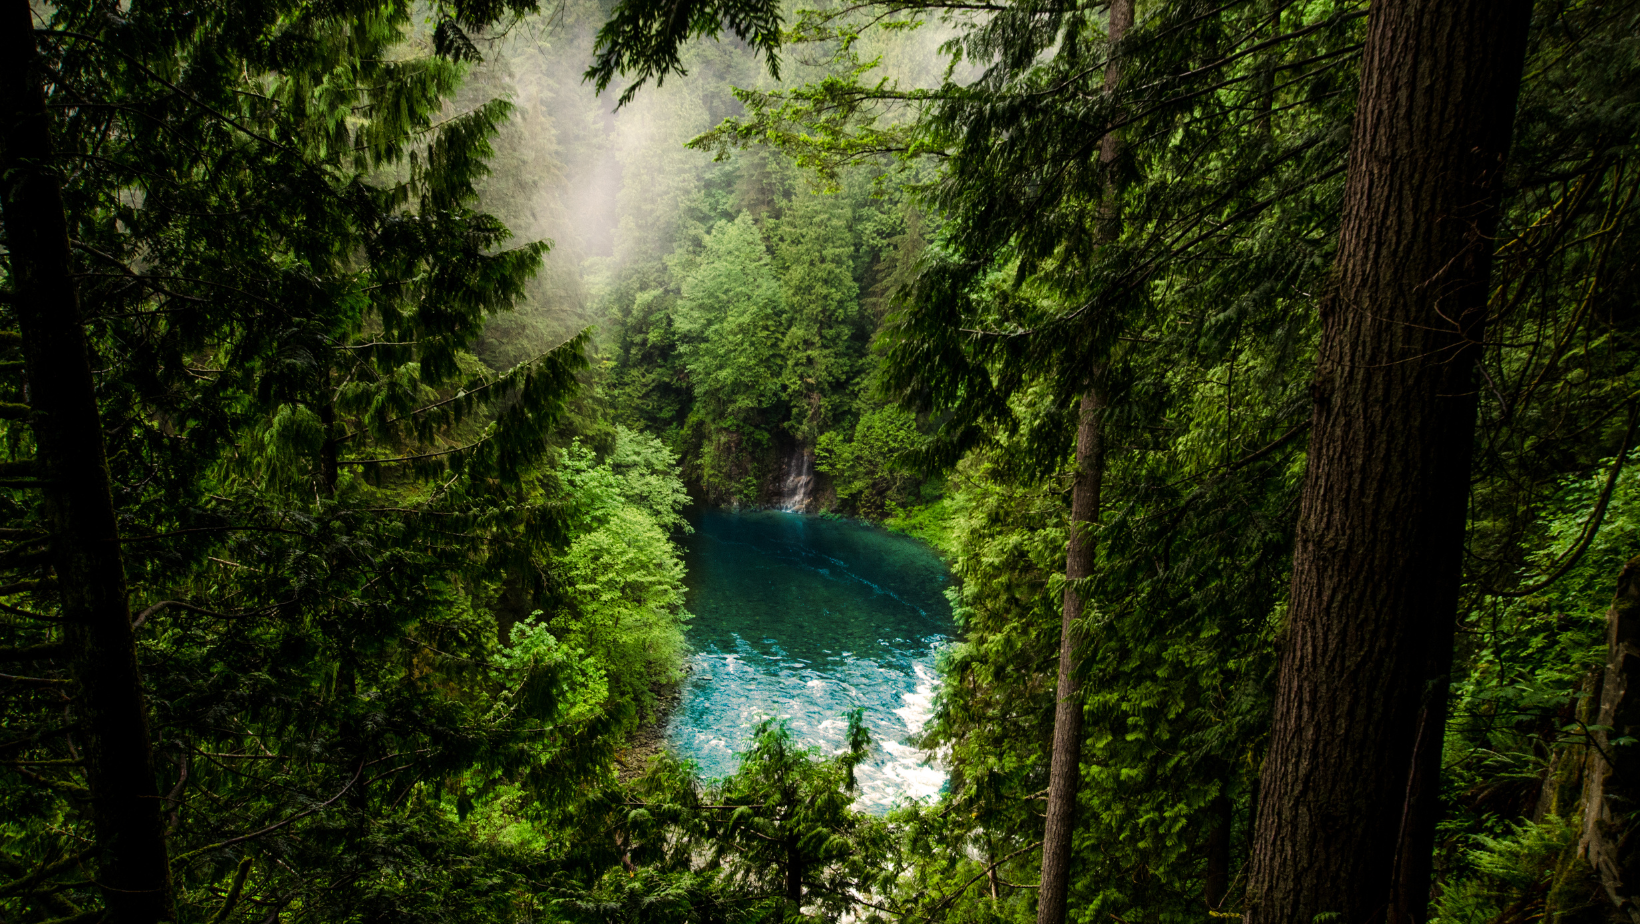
[1589,529]
[276,825]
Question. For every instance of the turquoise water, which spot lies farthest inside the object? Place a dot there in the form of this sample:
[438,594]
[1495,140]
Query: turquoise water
[805,618]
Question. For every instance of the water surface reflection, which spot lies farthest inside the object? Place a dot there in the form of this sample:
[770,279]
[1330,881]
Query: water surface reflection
[805,618]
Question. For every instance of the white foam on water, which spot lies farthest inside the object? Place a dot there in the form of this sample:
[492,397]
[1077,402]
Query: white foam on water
[919,703]
[816,702]
[905,771]
[754,672]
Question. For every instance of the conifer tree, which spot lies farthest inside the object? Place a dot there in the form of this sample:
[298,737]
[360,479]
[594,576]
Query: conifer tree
[730,323]
[1377,563]
[1066,758]
[82,542]
[815,253]
[279,273]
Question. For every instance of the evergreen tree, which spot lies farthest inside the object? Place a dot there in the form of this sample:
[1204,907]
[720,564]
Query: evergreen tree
[1377,564]
[336,591]
[280,273]
[82,545]
[1065,769]
[731,321]
[825,338]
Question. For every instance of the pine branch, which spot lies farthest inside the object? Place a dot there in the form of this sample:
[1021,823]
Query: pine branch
[53,33]
[45,872]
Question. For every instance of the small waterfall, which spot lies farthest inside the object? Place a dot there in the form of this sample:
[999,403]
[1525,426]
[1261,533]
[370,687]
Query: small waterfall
[798,481]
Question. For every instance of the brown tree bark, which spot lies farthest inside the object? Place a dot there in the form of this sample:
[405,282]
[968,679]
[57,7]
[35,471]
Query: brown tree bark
[131,870]
[1065,767]
[1611,786]
[1064,775]
[1377,560]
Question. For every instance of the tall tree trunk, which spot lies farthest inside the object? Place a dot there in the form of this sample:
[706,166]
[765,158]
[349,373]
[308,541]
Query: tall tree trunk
[132,869]
[1421,813]
[1221,812]
[1065,768]
[1377,561]
[1611,788]
[794,876]
[1065,771]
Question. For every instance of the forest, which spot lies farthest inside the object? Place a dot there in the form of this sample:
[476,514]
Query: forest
[1263,372]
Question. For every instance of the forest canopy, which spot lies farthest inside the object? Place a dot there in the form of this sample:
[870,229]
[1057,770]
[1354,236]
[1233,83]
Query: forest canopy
[1264,372]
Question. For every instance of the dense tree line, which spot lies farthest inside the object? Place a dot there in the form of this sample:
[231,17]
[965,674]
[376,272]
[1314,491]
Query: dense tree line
[1265,370]
[735,300]
[296,583]
[1258,268]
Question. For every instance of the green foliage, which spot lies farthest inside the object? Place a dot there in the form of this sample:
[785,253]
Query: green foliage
[824,334]
[639,472]
[622,576]
[644,38]
[730,321]
[1182,272]
[747,345]
[863,466]
[777,840]
[328,501]
[1522,869]
[406,567]
[789,827]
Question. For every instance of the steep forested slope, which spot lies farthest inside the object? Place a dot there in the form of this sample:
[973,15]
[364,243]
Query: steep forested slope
[1192,278]
[351,584]
[735,299]
[360,361]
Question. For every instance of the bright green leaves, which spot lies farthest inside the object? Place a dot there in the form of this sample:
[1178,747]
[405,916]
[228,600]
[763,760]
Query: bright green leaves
[639,472]
[867,468]
[754,341]
[825,331]
[731,322]
[621,573]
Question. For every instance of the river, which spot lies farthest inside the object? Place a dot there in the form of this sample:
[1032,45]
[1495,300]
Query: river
[805,618]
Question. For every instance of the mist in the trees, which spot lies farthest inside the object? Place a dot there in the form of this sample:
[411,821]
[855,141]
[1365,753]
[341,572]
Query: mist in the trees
[1254,382]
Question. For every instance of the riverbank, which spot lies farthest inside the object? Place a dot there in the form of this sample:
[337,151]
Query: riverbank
[649,738]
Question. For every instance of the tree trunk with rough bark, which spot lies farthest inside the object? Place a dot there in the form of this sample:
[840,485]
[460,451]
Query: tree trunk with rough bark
[1611,786]
[1377,558]
[1064,772]
[131,869]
